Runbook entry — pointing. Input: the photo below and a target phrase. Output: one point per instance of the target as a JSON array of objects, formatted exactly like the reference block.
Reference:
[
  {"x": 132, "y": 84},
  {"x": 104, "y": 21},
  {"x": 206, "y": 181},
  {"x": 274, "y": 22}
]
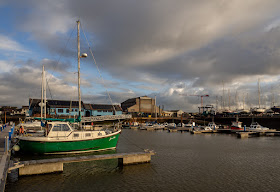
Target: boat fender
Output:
[{"x": 16, "y": 148}]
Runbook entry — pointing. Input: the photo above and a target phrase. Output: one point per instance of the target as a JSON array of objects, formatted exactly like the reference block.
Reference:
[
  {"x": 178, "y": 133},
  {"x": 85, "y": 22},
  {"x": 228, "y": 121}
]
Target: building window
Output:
[{"x": 60, "y": 110}]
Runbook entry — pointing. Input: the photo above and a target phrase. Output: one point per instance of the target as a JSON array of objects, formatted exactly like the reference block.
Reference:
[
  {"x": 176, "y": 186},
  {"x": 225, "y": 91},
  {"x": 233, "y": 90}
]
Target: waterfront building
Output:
[
  {"x": 141, "y": 106},
  {"x": 173, "y": 113},
  {"x": 71, "y": 108},
  {"x": 101, "y": 110},
  {"x": 55, "y": 107}
]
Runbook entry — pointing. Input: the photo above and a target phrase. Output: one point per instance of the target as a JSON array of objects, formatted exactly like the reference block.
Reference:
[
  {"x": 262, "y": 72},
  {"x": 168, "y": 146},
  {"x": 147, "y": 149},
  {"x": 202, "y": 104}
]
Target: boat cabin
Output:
[
  {"x": 58, "y": 129},
  {"x": 237, "y": 124}
]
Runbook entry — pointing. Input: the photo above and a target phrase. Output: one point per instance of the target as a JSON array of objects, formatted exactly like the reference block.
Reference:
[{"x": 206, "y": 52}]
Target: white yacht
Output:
[{"x": 257, "y": 127}]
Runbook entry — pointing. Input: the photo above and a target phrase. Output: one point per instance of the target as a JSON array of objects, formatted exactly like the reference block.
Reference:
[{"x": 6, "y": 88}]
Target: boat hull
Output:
[
  {"x": 45, "y": 147},
  {"x": 236, "y": 128}
]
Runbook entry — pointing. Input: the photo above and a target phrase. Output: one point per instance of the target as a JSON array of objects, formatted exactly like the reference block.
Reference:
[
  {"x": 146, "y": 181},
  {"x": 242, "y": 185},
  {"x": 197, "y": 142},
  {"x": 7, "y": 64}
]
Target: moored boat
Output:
[
  {"x": 255, "y": 126},
  {"x": 60, "y": 137},
  {"x": 236, "y": 125}
]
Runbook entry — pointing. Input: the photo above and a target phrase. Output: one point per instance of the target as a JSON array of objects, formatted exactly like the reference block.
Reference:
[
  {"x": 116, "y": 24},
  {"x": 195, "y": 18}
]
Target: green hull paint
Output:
[{"x": 69, "y": 146}]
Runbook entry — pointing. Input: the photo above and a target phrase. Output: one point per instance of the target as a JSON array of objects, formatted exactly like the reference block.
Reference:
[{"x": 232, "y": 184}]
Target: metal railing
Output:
[{"x": 105, "y": 118}]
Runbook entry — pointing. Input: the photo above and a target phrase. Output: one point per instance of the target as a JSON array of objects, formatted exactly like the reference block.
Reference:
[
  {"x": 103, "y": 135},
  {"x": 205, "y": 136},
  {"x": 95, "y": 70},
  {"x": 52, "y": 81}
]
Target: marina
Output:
[{"x": 139, "y": 96}]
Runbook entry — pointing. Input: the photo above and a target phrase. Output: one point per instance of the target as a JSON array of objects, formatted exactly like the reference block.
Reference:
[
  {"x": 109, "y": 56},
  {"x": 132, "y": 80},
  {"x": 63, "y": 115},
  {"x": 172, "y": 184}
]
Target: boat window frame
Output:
[{"x": 53, "y": 126}]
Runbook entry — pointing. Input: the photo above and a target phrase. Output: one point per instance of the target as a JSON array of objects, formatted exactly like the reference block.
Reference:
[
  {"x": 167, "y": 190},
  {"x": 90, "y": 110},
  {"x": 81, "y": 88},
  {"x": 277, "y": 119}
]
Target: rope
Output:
[{"x": 103, "y": 82}]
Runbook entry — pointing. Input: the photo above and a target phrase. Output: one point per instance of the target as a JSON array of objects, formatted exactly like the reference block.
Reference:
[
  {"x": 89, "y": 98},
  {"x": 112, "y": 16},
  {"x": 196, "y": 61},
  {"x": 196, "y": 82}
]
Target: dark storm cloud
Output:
[
  {"x": 163, "y": 38},
  {"x": 165, "y": 43}
]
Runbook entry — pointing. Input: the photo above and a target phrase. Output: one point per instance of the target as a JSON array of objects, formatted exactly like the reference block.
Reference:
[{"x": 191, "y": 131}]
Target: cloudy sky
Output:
[{"x": 161, "y": 47}]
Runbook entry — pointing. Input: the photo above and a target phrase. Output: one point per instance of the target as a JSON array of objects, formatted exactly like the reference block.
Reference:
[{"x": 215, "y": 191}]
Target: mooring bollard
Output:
[{"x": 244, "y": 127}]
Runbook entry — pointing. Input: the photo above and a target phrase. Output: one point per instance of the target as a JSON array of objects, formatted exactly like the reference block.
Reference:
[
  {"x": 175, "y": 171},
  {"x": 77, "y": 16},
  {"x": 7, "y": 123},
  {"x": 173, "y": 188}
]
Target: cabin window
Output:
[
  {"x": 88, "y": 134},
  {"x": 76, "y": 135},
  {"x": 56, "y": 128},
  {"x": 61, "y": 127},
  {"x": 65, "y": 127},
  {"x": 52, "y": 110},
  {"x": 76, "y": 110},
  {"x": 60, "y": 110},
  {"x": 99, "y": 134},
  {"x": 67, "y": 110}
]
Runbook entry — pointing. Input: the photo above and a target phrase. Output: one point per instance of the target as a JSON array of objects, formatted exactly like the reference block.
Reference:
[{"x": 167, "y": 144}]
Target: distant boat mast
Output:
[{"x": 259, "y": 93}]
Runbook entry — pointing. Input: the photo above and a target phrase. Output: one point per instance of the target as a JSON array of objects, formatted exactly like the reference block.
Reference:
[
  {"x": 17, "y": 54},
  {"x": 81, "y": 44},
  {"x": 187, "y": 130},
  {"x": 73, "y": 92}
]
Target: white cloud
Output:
[
  {"x": 8, "y": 44},
  {"x": 5, "y": 66}
]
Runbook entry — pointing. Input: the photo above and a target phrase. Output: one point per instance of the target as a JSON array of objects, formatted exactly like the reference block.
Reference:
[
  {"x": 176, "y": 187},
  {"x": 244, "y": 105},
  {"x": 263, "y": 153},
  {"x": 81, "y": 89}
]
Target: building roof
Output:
[
  {"x": 55, "y": 103},
  {"x": 105, "y": 107},
  {"x": 175, "y": 111},
  {"x": 74, "y": 104},
  {"x": 87, "y": 106}
]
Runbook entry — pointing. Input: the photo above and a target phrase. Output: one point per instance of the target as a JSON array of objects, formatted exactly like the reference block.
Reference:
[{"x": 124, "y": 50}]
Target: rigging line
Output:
[
  {"x": 63, "y": 50},
  {"x": 99, "y": 71}
]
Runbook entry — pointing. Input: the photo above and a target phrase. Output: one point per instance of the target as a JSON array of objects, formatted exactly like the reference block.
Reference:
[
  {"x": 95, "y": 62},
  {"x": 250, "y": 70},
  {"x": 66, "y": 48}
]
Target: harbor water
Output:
[{"x": 183, "y": 162}]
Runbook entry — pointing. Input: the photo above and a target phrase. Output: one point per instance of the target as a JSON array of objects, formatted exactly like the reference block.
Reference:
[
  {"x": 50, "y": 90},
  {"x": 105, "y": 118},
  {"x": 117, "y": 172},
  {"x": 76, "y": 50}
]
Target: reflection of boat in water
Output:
[
  {"x": 257, "y": 127},
  {"x": 60, "y": 137}
]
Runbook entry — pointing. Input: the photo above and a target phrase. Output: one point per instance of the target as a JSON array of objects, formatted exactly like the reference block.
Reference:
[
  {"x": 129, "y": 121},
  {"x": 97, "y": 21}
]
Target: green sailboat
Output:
[{"x": 60, "y": 137}]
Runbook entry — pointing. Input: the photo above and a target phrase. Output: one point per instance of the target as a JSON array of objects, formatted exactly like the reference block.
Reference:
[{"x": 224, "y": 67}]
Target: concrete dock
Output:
[
  {"x": 248, "y": 134},
  {"x": 4, "y": 155},
  {"x": 56, "y": 165}
]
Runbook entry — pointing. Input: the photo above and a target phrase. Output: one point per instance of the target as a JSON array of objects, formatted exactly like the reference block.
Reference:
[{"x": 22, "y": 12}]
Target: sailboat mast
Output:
[
  {"x": 223, "y": 101},
  {"x": 259, "y": 93},
  {"x": 156, "y": 107},
  {"x": 45, "y": 93},
  {"x": 79, "y": 56},
  {"x": 42, "y": 93},
  {"x": 229, "y": 99}
]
